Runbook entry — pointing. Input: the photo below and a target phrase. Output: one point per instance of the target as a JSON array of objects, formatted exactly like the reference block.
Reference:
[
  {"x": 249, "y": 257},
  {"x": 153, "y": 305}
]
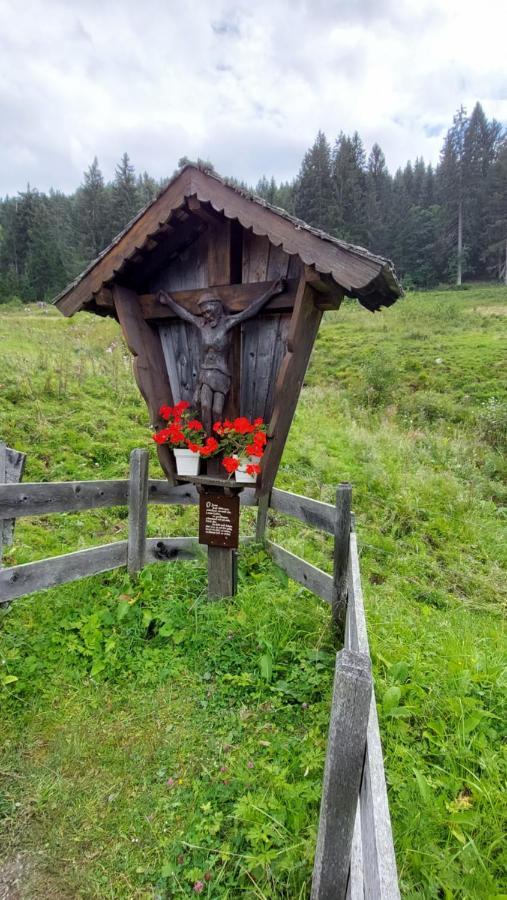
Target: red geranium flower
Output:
[
  {"x": 195, "y": 425},
  {"x": 181, "y": 407},
  {"x": 253, "y": 469},
  {"x": 230, "y": 464},
  {"x": 161, "y": 436},
  {"x": 254, "y": 450},
  {"x": 166, "y": 412},
  {"x": 243, "y": 425},
  {"x": 210, "y": 446}
]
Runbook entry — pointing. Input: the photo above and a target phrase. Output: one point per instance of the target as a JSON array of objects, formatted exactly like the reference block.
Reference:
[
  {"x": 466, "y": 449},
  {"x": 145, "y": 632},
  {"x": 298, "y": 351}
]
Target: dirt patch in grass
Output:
[
  {"x": 14, "y": 874},
  {"x": 491, "y": 310}
]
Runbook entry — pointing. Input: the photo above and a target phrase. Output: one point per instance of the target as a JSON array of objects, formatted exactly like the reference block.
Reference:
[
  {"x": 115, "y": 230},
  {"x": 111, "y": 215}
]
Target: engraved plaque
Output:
[{"x": 219, "y": 520}]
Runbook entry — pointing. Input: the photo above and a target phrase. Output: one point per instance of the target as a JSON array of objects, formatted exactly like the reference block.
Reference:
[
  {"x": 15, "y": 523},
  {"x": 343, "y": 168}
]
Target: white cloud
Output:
[{"x": 246, "y": 84}]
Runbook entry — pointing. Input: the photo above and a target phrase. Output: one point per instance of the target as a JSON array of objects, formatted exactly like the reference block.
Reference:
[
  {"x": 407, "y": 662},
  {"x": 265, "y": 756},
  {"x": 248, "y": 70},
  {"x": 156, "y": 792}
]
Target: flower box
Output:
[
  {"x": 187, "y": 461},
  {"x": 241, "y": 473}
]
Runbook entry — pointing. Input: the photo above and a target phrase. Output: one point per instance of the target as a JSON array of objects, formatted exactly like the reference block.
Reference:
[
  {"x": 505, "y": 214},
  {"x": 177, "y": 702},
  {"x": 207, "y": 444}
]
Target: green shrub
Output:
[
  {"x": 380, "y": 378},
  {"x": 492, "y": 422}
]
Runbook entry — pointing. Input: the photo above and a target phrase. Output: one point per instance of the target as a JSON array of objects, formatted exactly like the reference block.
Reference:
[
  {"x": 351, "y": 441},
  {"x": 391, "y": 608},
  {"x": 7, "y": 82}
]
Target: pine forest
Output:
[{"x": 439, "y": 225}]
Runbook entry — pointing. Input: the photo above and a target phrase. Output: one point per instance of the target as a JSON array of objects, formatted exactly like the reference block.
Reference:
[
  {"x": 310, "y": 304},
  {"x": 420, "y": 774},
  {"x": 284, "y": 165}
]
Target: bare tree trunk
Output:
[{"x": 460, "y": 240}]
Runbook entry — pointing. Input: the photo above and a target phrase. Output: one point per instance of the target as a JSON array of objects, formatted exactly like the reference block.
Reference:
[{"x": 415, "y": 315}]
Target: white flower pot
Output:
[
  {"x": 187, "y": 462},
  {"x": 242, "y": 475}
]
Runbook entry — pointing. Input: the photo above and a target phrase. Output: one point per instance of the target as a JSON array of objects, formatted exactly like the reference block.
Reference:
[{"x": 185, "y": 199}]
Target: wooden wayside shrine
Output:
[{"x": 213, "y": 286}]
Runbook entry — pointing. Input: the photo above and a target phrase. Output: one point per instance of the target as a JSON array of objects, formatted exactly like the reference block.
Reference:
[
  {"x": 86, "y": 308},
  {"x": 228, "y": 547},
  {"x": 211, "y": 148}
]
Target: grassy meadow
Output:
[{"x": 154, "y": 745}]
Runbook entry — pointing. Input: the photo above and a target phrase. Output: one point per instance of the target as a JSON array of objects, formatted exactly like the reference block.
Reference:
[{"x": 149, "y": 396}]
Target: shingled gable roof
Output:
[{"x": 369, "y": 278}]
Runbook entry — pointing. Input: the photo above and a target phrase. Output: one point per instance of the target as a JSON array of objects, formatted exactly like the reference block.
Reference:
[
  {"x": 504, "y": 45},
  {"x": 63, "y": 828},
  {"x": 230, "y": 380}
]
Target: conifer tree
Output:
[
  {"x": 147, "y": 188},
  {"x": 315, "y": 200},
  {"x": 452, "y": 188},
  {"x": 92, "y": 212},
  {"x": 125, "y": 194},
  {"x": 480, "y": 149},
  {"x": 496, "y": 231},
  {"x": 378, "y": 195},
  {"x": 349, "y": 175}
]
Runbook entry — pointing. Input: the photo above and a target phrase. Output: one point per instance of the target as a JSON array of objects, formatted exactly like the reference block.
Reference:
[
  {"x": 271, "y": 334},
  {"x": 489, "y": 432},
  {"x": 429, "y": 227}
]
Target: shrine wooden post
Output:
[{"x": 271, "y": 277}]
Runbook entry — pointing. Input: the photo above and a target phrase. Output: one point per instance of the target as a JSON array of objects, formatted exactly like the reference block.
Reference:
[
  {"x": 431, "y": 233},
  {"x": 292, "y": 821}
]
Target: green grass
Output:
[{"x": 123, "y": 685}]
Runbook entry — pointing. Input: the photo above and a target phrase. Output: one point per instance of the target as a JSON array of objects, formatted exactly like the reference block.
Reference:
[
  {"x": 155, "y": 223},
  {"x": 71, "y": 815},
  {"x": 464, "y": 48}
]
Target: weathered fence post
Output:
[
  {"x": 3, "y": 479},
  {"x": 138, "y": 510},
  {"x": 342, "y": 774},
  {"x": 262, "y": 518},
  {"x": 341, "y": 557}
]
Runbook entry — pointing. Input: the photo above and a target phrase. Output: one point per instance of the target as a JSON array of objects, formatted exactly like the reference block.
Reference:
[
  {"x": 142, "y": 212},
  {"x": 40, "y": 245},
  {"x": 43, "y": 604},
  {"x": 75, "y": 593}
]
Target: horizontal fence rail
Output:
[
  {"x": 45, "y": 498},
  {"x": 16, "y": 581},
  {"x": 311, "y": 512},
  {"x": 303, "y": 572},
  {"x": 373, "y": 863}
]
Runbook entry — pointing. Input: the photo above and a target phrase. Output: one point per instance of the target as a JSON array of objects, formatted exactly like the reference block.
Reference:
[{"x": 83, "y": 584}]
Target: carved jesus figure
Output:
[{"x": 215, "y": 327}]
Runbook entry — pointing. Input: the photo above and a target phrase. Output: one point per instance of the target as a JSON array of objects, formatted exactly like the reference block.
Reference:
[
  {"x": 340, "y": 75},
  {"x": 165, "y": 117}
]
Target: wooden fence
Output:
[{"x": 355, "y": 852}]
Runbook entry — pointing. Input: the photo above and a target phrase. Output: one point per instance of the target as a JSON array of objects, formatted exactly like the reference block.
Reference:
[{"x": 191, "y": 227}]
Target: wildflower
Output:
[
  {"x": 181, "y": 860},
  {"x": 208, "y": 876},
  {"x": 199, "y": 887},
  {"x": 250, "y": 764},
  {"x": 170, "y": 782}
]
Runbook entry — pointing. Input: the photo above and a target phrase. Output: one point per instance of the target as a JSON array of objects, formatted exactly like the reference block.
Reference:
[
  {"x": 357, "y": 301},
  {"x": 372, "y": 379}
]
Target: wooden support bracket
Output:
[
  {"x": 304, "y": 325},
  {"x": 150, "y": 369}
]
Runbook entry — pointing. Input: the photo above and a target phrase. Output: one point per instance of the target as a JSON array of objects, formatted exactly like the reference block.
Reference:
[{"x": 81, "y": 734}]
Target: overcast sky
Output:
[{"x": 246, "y": 84}]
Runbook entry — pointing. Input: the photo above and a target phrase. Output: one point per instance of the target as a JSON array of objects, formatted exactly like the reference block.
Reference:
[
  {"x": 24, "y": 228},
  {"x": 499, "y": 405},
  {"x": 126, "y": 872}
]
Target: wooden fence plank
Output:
[
  {"x": 355, "y": 887},
  {"x": 160, "y": 491},
  {"x": 311, "y": 512},
  {"x": 43, "y": 498},
  {"x": 341, "y": 557},
  {"x": 17, "y": 581},
  {"x": 303, "y": 572},
  {"x": 14, "y": 467},
  {"x": 36, "y": 576},
  {"x": 342, "y": 774},
  {"x": 138, "y": 510},
  {"x": 379, "y": 861},
  {"x": 3, "y": 479}
]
